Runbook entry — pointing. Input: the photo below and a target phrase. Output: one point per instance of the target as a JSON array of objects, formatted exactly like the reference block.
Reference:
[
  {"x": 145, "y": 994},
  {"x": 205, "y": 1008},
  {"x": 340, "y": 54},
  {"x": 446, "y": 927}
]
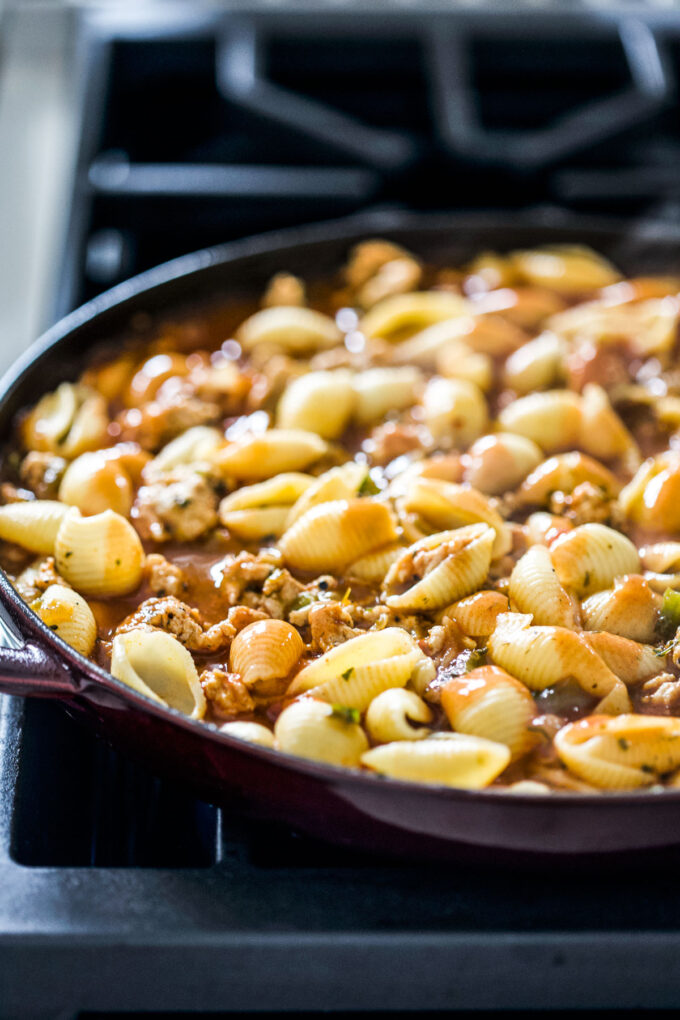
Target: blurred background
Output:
[{"x": 132, "y": 132}]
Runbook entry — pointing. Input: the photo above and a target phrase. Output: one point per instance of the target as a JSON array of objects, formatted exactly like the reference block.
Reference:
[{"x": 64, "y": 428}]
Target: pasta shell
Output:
[
  {"x": 100, "y": 555},
  {"x": 265, "y": 650},
  {"x": 32, "y": 525},
  {"x": 69, "y": 421},
  {"x": 630, "y": 609},
  {"x": 476, "y": 615},
  {"x": 603, "y": 434},
  {"x": 67, "y": 613},
  {"x": 449, "y": 565},
  {"x": 355, "y": 672},
  {"x": 195, "y": 444},
  {"x": 622, "y": 753},
  {"x": 445, "y": 505},
  {"x": 568, "y": 270},
  {"x": 592, "y": 556},
  {"x": 372, "y": 567},
  {"x": 494, "y": 464},
  {"x": 563, "y": 473},
  {"x": 536, "y": 365},
  {"x": 661, "y": 557},
  {"x": 94, "y": 482},
  {"x": 330, "y": 536},
  {"x": 259, "y": 524},
  {"x": 649, "y": 327},
  {"x": 631, "y": 661},
  {"x": 551, "y": 419},
  {"x": 341, "y": 482},
  {"x": 457, "y": 760},
  {"x": 400, "y": 313},
  {"x": 257, "y": 511},
  {"x": 542, "y": 528},
  {"x": 392, "y": 714},
  {"x": 490, "y": 703},
  {"x": 313, "y": 729},
  {"x": 652, "y": 497},
  {"x": 377, "y": 391},
  {"x": 454, "y": 410},
  {"x": 155, "y": 664},
  {"x": 535, "y": 588},
  {"x": 426, "y": 347},
  {"x": 295, "y": 330},
  {"x": 254, "y": 458},
  {"x": 458, "y": 361},
  {"x": 320, "y": 402},
  {"x": 252, "y": 732}
]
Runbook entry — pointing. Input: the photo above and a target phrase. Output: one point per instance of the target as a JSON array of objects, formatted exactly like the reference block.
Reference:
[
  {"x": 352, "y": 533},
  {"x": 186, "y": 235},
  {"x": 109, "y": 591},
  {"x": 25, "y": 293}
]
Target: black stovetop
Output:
[{"x": 119, "y": 891}]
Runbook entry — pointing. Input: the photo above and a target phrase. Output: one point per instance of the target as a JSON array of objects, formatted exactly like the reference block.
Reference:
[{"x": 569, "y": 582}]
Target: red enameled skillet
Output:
[{"x": 341, "y": 805}]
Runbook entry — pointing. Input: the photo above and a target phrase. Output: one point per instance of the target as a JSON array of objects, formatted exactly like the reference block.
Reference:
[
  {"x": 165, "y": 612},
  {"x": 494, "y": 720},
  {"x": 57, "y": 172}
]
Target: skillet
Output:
[{"x": 342, "y": 805}]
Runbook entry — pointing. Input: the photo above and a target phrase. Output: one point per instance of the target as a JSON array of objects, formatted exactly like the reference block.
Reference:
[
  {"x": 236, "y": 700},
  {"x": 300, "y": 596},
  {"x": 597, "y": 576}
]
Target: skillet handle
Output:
[{"x": 28, "y": 668}]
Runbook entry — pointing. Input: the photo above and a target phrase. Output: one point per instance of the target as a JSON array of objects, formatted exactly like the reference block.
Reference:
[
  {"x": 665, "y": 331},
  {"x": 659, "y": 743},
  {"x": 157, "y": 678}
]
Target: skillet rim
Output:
[{"x": 352, "y": 229}]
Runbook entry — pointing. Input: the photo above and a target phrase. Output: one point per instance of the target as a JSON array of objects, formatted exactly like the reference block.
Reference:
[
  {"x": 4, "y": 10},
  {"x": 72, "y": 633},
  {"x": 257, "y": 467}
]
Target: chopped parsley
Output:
[
  {"x": 623, "y": 743},
  {"x": 670, "y": 612},
  {"x": 586, "y": 579},
  {"x": 302, "y": 601},
  {"x": 347, "y": 674},
  {"x": 345, "y": 714},
  {"x": 368, "y": 487}
]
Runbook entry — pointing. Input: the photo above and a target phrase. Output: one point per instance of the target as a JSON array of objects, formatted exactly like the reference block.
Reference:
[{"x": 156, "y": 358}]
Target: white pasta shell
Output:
[
  {"x": 592, "y": 556},
  {"x": 341, "y": 482},
  {"x": 467, "y": 557},
  {"x": 100, "y": 555},
  {"x": 400, "y": 313},
  {"x": 32, "y": 525},
  {"x": 458, "y": 760},
  {"x": 198, "y": 443},
  {"x": 535, "y": 365},
  {"x": 392, "y": 714},
  {"x": 294, "y": 329},
  {"x": 67, "y": 613},
  {"x": 446, "y": 505},
  {"x": 496, "y": 463},
  {"x": 252, "y": 732},
  {"x": 330, "y": 536},
  {"x": 490, "y": 703},
  {"x": 661, "y": 557},
  {"x": 458, "y": 361},
  {"x": 652, "y": 497},
  {"x": 265, "y": 650},
  {"x": 455, "y": 410},
  {"x": 535, "y": 588},
  {"x": 551, "y": 419},
  {"x": 425, "y": 348},
  {"x": 630, "y": 609},
  {"x": 257, "y": 524},
  {"x": 68, "y": 421},
  {"x": 543, "y": 656},
  {"x": 94, "y": 482},
  {"x": 622, "y": 753},
  {"x": 373, "y": 567},
  {"x": 563, "y": 473},
  {"x": 155, "y": 664},
  {"x": 378, "y": 391},
  {"x": 476, "y": 614},
  {"x": 355, "y": 672},
  {"x": 650, "y": 327},
  {"x": 542, "y": 528},
  {"x": 254, "y": 458},
  {"x": 320, "y": 402},
  {"x": 314, "y": 729},
  {"x": 603, "y": 434},
  {"x": 630, "y": 660},
  {"x": 257, "y": 511},
  {"x": 566, "y": 269}
]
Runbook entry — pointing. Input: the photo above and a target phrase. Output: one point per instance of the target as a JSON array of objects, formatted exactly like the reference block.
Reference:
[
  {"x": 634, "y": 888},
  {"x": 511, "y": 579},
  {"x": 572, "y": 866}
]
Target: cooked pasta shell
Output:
[
  {"x": 330, "y": 536},
  {"x": 256, "y": 525},
  {"x": 252, "y": 732},
  {"x": 631, "y": 661},
  {"x": 393, "y": 317},
  {"x": 198, "y": 443},
  {"x": 535, "y": 588},
  {"x": 592, "y": 556},
  {"x": 476, "y": 614},
  {"x": 649, "y": 327},
  {"x": 155, "y": 664},
  {"x": 265, "y": 650},
  {"x": 100, "y": 555},
  {"x": 497, "y": 463},
  {"x": 314, "y": 729},
  {"x": 543, "y": 656},
  {"x": 454, "y": 410},
  {"x": 391, "y": 716},
  {"x": 32, "y": 525},
  {"x": 425, "y": 348},
  {"x": 454, "y": 759},
  {"x": 372, "y": 567},
  {"x": 652, "y": 497},
  {"x": 566, "y": 269},
  {"x": 320, "y": 402},
  {"x": 563, "y": 473},
  {"x": 355, "y": 672},
  {"x": 661, "y": 557},
  {"x": 295, "y": 330},
  {"x": 490, "y": 703},
  {"x": 542, "y": 528},
  {"x": 254, "y": 512},
  {"x": 536, "y": 365},
  {"x": 341, "y": 482},
  {"x": 622, "y": 753},
  {"x": 255, "y": 458},
  {"x": 447, "y": 566},
  {"x": 446, "y": 505},
  {"x": 378, "y": 391},
  {"x": 603, "y": 434},
  {"x": 68, "y": 421},
  {"x": 630, "y": 609},
  {"x": 67, "y": 613},
  {"x": 458, "y": 361},
  {"x": 551, "y": 419},
  {"x": 94, "y": 482}
]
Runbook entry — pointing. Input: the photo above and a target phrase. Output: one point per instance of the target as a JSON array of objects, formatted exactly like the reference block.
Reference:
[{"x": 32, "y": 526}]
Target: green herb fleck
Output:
[
  {"x": 623, "y": 743},
  {"x": 664, "y": 650},
  {"x": 302, "y": 601},
  {"x": 68, "y": 553},
  {"x": 647, "y": 768},
  {"x": 347, "y": 674},
  {"x": 54, "y": 626},
  {"x": 670, "y": 612},
  {"x": 586, "y": 579},
  {"x": 368, "y": 487},
  {"x": 118, "y": 562},
  {"x": 345, "y": 714}
]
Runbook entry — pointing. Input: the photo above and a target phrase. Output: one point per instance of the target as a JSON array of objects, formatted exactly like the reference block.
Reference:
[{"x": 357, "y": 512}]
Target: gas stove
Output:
[{"x": 118, "y": 890}]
